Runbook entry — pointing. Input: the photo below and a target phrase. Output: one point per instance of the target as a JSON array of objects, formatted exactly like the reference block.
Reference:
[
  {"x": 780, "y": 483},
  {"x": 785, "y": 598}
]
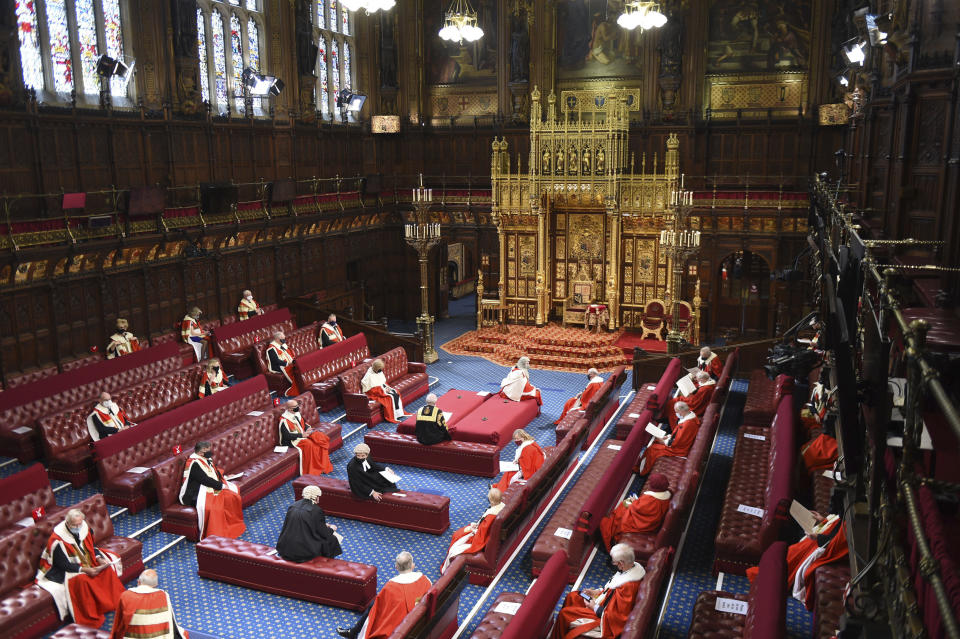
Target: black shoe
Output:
[{"x": 345, "y": 632}]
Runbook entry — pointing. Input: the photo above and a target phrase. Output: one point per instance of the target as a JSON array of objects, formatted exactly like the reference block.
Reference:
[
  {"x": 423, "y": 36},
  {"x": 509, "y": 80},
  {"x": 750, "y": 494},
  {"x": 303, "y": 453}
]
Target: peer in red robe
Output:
[
  {"x": 594, "y": 382},
  {"x": 123, "y": 342},
  {"x": 607, "y": 607},
  {"x": 697, "y": 401},
  {"x": 826, "y": 544},
  {"x": 330, "y": 332},
  {"x": 710, "y": 362},
  {"x": 218, "y": 503},
  {"x": 641, "y": 514},
  {"x": 397, "y": 597},
  {"x": 192, "y": 334},
  {"x": 677, "y": 444},
  {"x": 107, "y": 418},
  {"x": 280, "y": 360},
  {"x": 248, "y": 307},
  {"x": 212, "y": 380},
  {"x": 516, "y": 385},
  {"x": 374, "y": 385},
  {"x": 473, "y": 537},
  {"x": 528, "y": 458},
  {"x": 83, "y": 579},
  {"x": 313, "y": 448},
  {"x": 146, "y": 611},
  {"x": 820, "y": 453}
]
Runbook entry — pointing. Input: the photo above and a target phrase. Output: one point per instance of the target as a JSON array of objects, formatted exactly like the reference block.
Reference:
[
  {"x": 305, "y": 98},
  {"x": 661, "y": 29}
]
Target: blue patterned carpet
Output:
[{"x": 210, "y": 608}]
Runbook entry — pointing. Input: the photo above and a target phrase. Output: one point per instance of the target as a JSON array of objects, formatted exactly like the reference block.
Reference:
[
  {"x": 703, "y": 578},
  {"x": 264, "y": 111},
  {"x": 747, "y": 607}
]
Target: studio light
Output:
[
  {"x": 347, "y": 99},
  {"x": 460, "y": 23},
  {"x": 259, "y": 85},
  {"x": 842, "y": 79},
  {"x": 107, "y": 67},
  {"x": 854, "y": 53}
]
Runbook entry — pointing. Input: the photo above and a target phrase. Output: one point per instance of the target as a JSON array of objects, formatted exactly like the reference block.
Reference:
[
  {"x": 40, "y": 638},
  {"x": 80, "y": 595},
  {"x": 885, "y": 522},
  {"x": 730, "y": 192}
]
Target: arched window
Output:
[
  {"x": 333, "y": 34},
  {"x": 229, "y": 36},
  {"x": 61, "y": 41}
]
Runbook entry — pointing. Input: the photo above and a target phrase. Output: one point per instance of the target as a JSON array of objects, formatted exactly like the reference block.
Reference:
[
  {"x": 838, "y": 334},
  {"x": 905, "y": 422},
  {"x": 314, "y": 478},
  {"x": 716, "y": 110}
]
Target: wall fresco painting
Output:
[{"x": 752, "y": 35}]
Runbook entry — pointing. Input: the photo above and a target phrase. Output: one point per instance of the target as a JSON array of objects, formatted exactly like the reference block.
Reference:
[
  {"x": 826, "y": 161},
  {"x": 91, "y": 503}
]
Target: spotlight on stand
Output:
[
  {"x": 347, "y": 100},
  {"x": 107, "y": 67},
  {"x": 259, "y": 85},
  {"x": 854, "y": 53},
  {"x": 877, "y": 37}
]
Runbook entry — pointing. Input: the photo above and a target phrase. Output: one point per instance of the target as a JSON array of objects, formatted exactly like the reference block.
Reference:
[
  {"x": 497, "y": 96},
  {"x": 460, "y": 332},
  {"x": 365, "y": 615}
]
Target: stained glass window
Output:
[
  {"x": 113, "y": 37},
  {"x": 324, "y": 97},
  {"x": 236, "y": 59},
  {"x": 346, "y": 65},
  {"x": 345, "y": 20},
  {"x": 321, "y": 8},
  {"x": 30, "y": 58},
  {"x": 202, "y": 51},
  {"x": 87, "y": 37},
  {"x": 335, "y": 69},
  {"x": 333, "y": 35},
  {"x": 333, "y": 15},
  {"x": 252, "y": 5},
  {"x": 219, "y": 59},
  {"x": 59, "y": 35}
]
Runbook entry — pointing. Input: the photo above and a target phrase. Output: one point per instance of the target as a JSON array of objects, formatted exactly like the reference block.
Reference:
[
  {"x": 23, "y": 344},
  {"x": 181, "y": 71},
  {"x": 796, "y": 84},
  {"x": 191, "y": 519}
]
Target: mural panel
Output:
[
  {"x": 750, "y": 35},
  {"x": 590, "y": 44},
  {"x": 472, "y": 63}
]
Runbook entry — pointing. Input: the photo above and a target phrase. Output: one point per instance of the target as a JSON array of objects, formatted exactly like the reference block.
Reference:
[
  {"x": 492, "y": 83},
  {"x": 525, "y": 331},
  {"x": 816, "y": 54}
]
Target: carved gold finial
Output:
[{"x": 535, "y": 96}]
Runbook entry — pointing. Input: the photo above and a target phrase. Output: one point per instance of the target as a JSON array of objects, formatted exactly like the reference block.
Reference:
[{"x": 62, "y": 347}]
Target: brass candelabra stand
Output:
[
  {"x": 423, "y": 235},
  {"x": 679, "y": 243}
]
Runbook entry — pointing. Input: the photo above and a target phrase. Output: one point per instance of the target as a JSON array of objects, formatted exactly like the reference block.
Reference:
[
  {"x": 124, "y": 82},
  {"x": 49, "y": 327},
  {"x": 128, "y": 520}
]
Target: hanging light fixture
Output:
[
  {"x": 460, "y": 23},
  {"x": 643, "y": 14},
  {"x": 370, "y": 6}
]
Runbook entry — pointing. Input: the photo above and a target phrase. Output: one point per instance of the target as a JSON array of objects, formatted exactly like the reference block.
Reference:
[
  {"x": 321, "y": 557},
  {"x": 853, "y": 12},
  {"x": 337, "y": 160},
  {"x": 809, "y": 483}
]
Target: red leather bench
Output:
[
  {"x": 726, "y": 377},
  {"x": 152, "y": 441},
  {"x": 407, "y": 509},
  {"x": 66, "y": 439},
  {"x": 233, "y": 344},
  {"x": 598, "y": 410},
  {"x": 331, "y": 582},
  {"x": 435, "y": 616},
  {"x": 829, "y": 583},
  {"x": 300, "y": 342},
  {"x": 647, "y": 397},
  {"x": 466, "y": 458},
  {"x": 459, "y": 403},
  {"x": 26, "y": 610},
  {"x": 76, "y": 631},
  {"x": 318, "y": 371},
  {"x": 19, "y": 411},
  {"x": 175, "y": 336},
  {"x": 19, "y": 379},
  {"x": 647, "y": 604},
  {"x": 21, "y": 493},
  {"x": 248, "y": 448},
  {"x": 408, "y": 378},
  {"x": 98, "y": 518},
  {"x": 763, "y": 397},
  {"x": 493, "y": 623},
  {"x": 766, "y": 604},
  {"x": 761, "y": 477}
]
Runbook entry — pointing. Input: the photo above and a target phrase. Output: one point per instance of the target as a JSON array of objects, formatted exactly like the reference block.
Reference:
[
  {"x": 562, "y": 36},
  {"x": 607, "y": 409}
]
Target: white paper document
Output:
[
  {"x": 737, "y": 607},
  {"x": 651, "y": 387},
  {"x": 634, "y": 415},
  {"x": 399, "y": 494},
  {"x": 390, "y": 476},
  {"x": 23, "y": 430},
  {"x": 507, "y": 608},
  {"x": 483, "y": 393},
  {"x": 686, "y": 386},
  {"x": 656, "y": 431},
  {"x": 280, "y": 449},
  {"x": 834, "y": 475},
  {"x": 750, "y": 510},
  {"x": 508, "y": 467},
  {"x": 25, "y": 522},
  {"x": 693, "y": 371},
  {"x": 802, "y": 516},
  {"x": 255, "y": 413},
  {"x": 752, "y": 436},
  {"x": 614, "y": 446},
  {"x": 232, "y": 477},
  {"x": 272, "y": 551},
  {"x": 565, "y": 533},
  {"x": 447, "y": 415},
  {"x": 138, "y": 470}
]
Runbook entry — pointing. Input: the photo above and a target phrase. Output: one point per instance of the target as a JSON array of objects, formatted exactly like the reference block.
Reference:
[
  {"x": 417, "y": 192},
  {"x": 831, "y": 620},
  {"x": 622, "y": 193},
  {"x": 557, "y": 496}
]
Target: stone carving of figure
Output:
[
  {"x": 586, "y": 162},
  {"x": 560, "y": 155},
  {"x": 388, "y": 52},
  {"x": 600, "y": 158},
  {"x": 546, "y": 162},
  {"x": 306, "y": 50},
  {"x": 573, "y": 163},
  {"x": 519, "y": 48},
  {"x": 185, "y": 39}
]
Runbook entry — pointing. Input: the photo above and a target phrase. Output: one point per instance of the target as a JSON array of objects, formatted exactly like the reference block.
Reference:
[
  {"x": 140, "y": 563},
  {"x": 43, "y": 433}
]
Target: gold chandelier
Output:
[
  {"x": 640, "y": 13},
  {"x": 460, "y": 23}
]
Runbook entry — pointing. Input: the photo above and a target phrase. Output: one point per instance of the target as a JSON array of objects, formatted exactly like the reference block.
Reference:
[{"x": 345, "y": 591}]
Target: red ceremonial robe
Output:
[
  {"x": 466, "y": 540},
  {"x": 193, "y": 335},
  {"x": 643, "y": 515},
  {"x": 393, "y": 602},
  {"x": 216, "y": 383},
  {"x": 313, "y": 449},
  {"x": 805, "y": 556},
  {"x": 373, "y": 386},
  {"x": 282, "y": 353},
  {"x": 529, "y": 457},
  {"x": 146, "y": 612},
  {"x": 122, "y": 343},
  {"x": 86, "y": 598},
  {"x": 712, "y": 365},
  {"x": 697, "y": 402},
  {"x": 683, "y": 438},
  {"x": 219, "y": 512},
  {"x": 516, "y": 386},
  {"x": 332, "y": 333},
  {"x": 820, "y": 453},
  {"x": 247, "y": 309},
  {"x": 581, "y": 400},
  {"x": 619, "y": 595}
]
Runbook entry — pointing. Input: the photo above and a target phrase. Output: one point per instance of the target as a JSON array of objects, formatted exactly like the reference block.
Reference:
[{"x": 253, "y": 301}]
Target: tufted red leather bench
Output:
[
  {"x": 409, "y": 378},
  {"x": 646, "y": 605},
  {"x": 726, "y": 377},
  {"x": 763, "y": 397},
  {"x": 187, "y": 354},
  {"x": 467, "y": 458},
  {"x": 459, "y": 403},
  {"x": 766, "y": 604},
  {"x": 435, "y": 616},
  {"x": 300, "y": 342},
  {"x": 407, "y": 509},
  {"x": 19, "y": 379},
  {"x": 76, "y": 631},
  {"x": 20, "y": 493},
  {"x": 66, "y": 439},
  {"x": 153, "y": 440},
  {"x": 20, "y": 410},
  {"x": 599, "y": 409},
  {"x": 232, "y": 319},
  {"x": 829, "y": 581},
  {"x": 331, "y": 582},
  {"x": 761, "y": 477},
  {"x": 655, "y": 397},
  {"x": 493, "y": 623},
  {"x": 631, "y": 414},
  {"x": 494, "y": 421},
  {"x": 233, "y": 343},
  {"x": 318, "y": 371},
  {"x": 822, "y": 491}
]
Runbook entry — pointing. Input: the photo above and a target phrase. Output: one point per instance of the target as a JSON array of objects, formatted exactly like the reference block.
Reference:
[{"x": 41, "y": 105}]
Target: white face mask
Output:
[{"x": 249, "y": 297}]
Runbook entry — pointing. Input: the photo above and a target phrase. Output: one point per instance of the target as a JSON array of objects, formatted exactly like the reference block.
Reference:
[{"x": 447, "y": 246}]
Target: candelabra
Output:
[
  {"x": 679, "y": 243},
  {"x": 423, "y": 235}
]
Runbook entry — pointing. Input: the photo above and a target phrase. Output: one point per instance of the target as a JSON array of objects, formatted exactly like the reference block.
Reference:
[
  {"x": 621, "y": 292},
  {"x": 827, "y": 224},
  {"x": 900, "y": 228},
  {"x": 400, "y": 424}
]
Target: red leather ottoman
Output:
[
  {"x": 493, "y": 623},
  {"x": 457, "y": 402},
  {"x": 332, "y": 582},
  {"x": 76, "y": 631},
  {"x": 829, "y": 583},
  {"x": 495, "y": 420},
  {"x": 465, "y": 458},
  {"x": 406, "y": 509}
]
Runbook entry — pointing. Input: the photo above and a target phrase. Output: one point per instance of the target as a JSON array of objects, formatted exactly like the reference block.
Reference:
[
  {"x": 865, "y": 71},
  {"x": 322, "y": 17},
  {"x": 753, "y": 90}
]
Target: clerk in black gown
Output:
[
  {"x": 306, "y": 533},
  {"x": 431, "y": 427},
  {"x": 364, "y": 475}
]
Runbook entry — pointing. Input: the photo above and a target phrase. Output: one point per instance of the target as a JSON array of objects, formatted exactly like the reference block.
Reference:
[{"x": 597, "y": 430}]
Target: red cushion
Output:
[
  {"x": 495, "y": 420},
  {"x": 459, "y": 403}
]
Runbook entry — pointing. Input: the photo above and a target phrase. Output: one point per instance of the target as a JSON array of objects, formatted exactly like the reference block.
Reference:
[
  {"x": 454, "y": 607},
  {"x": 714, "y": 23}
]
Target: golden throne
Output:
[
  {"x": 654, "y": 315},
  {"x": 582, "y": 293}
]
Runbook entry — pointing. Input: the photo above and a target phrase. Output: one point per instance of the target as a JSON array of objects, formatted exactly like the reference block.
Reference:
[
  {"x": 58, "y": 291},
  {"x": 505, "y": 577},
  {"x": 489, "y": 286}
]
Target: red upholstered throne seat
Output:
[
  {"x": 318, "y": 371},
  {"x": 233, "y": 344},
  {"x": 331, "y": 582},
  {"x": 406, "y": 509},
  {"x": 301, "y": 341},
  {"x": 467, "y": 458},
  {"x": 409, "y": 378}
]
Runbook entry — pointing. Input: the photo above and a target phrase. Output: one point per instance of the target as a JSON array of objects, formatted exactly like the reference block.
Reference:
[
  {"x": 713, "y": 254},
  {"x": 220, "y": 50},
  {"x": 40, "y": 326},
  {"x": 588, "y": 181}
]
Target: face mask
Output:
[
  {"x": 208, "y": 454},
  {"x": 75, "y": 531},
  {"x": 333, "y": 323},
  {"x": 283, "y": 341},
  {"x": 296, "y": 410},
  {"x": 249, "y": 297},
  {"x": 216, "y": 369},
  {"x": 679, "y": 416}
]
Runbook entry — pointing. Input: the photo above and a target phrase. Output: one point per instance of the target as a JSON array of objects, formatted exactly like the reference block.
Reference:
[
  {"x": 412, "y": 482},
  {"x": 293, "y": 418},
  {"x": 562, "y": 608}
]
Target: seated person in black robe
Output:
[
  {"x": 306, "y": 533},
  {"x": 431, "y": 426},
  {"x": 364, "y": 475}
]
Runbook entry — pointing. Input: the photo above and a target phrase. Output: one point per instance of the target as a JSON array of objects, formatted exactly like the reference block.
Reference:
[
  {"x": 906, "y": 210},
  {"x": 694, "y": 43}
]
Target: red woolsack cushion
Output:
[
  {"x": 495, "y": 421},
  {"x": 459, "y": 403}
]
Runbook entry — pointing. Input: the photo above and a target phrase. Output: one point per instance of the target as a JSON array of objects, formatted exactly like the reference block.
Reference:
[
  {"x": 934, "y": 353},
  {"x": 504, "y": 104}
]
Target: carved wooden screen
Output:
[
  {"x": 579, "y": 248},
  {"x": 521, "y": 276},
  {"x": 643, "y": 276}
]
